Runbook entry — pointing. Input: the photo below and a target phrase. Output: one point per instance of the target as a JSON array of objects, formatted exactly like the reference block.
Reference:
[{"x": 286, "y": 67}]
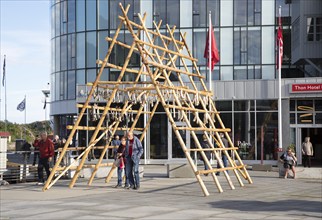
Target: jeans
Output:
[
  {"x": 43, "y": 163},
  {"x": 224, "y": 160},
  {"x": 120, "y": 177},
  {"x": 130, "y": 168},
  {"x": 306, "y": 160}
]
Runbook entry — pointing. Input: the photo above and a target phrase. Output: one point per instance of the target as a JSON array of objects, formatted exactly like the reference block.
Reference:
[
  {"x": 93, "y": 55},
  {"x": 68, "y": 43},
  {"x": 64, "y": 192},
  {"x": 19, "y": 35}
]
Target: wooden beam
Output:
[
  {"x": 92, "y": 128},
  {"x": 219, "y": 169},
  {"x": 203, "y": 129},
  {"x": 213, "y": 149},
  {"x": 190, "y": 109},
  {"x": 148, "y": 31},
  {"x": 162, "y": 66}
]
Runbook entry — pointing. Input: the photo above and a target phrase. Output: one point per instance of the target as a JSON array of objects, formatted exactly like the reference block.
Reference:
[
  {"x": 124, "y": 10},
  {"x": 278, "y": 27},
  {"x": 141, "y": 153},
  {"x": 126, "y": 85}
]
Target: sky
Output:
[{"x": 25, "y": 40}]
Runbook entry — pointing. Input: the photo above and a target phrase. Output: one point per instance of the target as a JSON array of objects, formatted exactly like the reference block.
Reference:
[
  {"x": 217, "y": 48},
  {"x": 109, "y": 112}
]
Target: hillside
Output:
[{"x": 20, "y": 131}]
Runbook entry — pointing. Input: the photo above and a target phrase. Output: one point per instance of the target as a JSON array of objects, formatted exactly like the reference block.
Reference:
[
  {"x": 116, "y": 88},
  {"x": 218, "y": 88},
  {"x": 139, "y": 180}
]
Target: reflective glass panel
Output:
[
  {"x": 80, "y": 50},
  {"x": 90, "y": 15},
  {"x": 102, "y": 14},
  {"x": 91, "y": 49},
  {"x": 80, "y": 15},
  {"x": 71, "y": 85},
  {"x": 71, "y": 16}
]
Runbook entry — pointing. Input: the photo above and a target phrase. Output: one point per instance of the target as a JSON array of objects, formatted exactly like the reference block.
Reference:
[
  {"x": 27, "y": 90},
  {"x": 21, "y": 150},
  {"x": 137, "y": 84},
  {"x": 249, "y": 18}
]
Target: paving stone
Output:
[{"x": 269, "y": 197}]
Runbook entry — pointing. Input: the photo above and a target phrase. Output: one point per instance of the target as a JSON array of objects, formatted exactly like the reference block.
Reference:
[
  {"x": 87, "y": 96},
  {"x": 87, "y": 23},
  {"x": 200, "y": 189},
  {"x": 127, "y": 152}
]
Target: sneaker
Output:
[
  {"x": 117, "y": 186},
  {"x": 136, "y": 187},
  {"x": 128, "y": 187},
  {"x": 217, "y": 174},
  {"x": 40, "y": 184}
]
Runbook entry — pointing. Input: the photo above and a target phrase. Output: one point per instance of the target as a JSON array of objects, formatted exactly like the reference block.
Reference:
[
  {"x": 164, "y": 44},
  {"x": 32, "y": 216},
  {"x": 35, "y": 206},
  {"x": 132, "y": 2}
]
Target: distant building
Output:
[{"x": 244, "y": 81}]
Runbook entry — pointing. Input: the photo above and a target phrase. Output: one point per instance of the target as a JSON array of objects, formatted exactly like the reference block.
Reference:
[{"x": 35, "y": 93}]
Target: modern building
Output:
[{"x": 245, "y": 81}]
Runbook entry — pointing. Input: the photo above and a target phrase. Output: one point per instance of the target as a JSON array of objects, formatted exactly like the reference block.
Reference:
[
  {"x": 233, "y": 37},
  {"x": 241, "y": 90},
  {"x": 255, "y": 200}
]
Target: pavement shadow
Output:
[
  {"x": 282, "y": 205},
  {"x": 169, "y": 187}
]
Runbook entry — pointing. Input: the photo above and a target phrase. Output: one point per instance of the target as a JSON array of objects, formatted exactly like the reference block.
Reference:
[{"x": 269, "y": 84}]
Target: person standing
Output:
[
  {"x": 289, "y": 160},
  {"x": 115, "y": 143},
  {"x": 119, "y": 154},
  {"x": 46, "y": 153},
  {"x": 133, "y": 153},
  {"x": 223, "y": 156},
  {"x": 307, "y": 151},
  {"x": 36, "y": 150},
  {"x": 205, "y": 145},
  {"x": 57, "y": 145}
]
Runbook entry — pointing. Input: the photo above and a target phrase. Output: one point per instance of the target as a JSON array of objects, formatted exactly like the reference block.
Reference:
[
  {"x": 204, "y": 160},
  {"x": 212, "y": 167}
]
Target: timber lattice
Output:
[{"x": 185, "y": 99}]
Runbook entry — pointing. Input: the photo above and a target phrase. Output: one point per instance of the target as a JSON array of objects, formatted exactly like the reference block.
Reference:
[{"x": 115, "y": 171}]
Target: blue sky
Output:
[{"x": 25, "y": 40}]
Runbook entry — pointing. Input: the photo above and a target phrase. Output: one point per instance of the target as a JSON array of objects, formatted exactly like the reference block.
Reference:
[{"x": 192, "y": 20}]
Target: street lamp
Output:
[{"x": 46, "y": 93}]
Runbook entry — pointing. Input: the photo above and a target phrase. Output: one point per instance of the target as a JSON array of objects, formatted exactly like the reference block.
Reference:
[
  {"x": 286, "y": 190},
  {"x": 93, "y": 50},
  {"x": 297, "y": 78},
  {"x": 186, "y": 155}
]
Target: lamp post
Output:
[{"x": 46, "y": 93}]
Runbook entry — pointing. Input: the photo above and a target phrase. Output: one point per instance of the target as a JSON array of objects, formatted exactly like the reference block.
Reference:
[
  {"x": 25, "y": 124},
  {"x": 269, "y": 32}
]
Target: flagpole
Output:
[
  {"x": 209, "y": 52},
  {"x": 279, "y": 89},
  {"x": 25, "y": 116},
  {"x": 209, "y": 66},
  {"x": 1, "y": 94},
  {"x": 5, "y": 97}
]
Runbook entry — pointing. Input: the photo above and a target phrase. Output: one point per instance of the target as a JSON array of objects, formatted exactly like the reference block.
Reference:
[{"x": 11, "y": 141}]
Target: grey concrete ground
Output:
[{"x": 163, "y": 198}]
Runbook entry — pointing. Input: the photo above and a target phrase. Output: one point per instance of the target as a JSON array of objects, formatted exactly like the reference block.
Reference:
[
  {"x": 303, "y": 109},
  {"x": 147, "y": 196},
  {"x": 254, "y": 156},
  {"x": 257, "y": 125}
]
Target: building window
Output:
[
  {"x": 71, "y": 13},
  {"x": 247, "y": 12},
  {"x": 247, "y": 46},
  {"x": 201, "y": 10},
  {"x": 168, "y": 11},
  {"x": 314, "y": 28}
]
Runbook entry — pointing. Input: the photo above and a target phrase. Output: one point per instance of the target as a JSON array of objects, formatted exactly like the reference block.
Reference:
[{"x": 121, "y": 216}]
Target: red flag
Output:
[
  {"x": 279, "y": 42},
  {"x": 214, "y": 50}
]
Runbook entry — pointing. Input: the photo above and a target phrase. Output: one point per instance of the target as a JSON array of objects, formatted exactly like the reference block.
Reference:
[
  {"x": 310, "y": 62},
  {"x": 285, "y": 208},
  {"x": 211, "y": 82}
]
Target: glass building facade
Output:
[{"x": 245, "y": 32}]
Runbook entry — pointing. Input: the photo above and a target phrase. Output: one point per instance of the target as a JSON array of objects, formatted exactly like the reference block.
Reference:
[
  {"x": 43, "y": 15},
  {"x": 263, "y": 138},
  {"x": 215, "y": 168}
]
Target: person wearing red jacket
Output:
[{"x": 46, "y": 153}]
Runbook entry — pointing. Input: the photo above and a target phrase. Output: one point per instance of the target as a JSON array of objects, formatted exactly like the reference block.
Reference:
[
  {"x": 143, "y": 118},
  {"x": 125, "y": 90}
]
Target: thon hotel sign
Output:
[{"x": 306, "y": 88}]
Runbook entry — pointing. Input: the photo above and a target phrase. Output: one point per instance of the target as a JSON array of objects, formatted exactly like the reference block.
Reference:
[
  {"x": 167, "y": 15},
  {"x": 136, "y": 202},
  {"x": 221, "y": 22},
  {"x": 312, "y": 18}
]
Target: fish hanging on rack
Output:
[
  {"x": 145, "y": 98},
  {"x": 118, "y": 97},
  {"x": 134, "y": 98},
  {"x": 182, "y": 96},
  {"x": 132, "y": 117},
  {"x": 96, "y": 112},
  {"x": 112, "y": 115},
  {"x": 195, "y": 119},
  {"x": 105, "y": 94},
  {"x": 182, "y": 114},
  {"x": 151, "y": 102},
  {"x": 108, "y": 118},
  {"x": 174, "y": 111},
  {"x": 167, "y": 96},
  {"x": 205, "y": 100},
  {"x": 196, "y": 99},
  {"x": 206, "y": 118},
  {"x": 186, "y": 96}
]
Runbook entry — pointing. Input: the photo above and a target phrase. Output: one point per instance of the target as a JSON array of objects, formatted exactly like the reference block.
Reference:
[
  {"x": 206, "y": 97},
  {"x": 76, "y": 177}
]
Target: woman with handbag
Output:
[{"x": 289, "y": 160}]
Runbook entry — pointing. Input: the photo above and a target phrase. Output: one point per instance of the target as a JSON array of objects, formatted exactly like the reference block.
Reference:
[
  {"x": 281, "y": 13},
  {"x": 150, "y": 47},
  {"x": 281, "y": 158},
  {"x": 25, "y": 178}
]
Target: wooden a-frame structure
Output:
[{"x": 187, "y": 100}]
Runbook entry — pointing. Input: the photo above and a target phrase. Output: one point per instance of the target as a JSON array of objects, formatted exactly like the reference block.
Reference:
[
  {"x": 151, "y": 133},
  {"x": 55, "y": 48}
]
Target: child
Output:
[{"x": 119, "y": 154}]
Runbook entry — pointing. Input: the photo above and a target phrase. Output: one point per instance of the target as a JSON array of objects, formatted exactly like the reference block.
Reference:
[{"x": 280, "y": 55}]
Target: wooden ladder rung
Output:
[
  {"x": 190, "y": 109},
  {"x": 91, "y": 128},
  {"x": 203, "y": 129},
  {"x": 212, "y": 149},
  {"x": 220, "y": 169}
]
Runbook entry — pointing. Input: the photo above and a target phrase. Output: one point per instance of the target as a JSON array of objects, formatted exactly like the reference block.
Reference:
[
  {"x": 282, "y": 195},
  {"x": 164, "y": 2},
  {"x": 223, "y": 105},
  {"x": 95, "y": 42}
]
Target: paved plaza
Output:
[{"x": 269, "y": 197}]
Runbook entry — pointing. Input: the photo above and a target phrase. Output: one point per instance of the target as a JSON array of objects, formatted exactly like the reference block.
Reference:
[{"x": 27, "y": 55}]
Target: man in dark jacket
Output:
[
  {"x": 205, "y": 145},
  {"x": 223, "y": 156},
  {"x": 46, "y": 153},
  {"x": 133, "y": 153}
]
